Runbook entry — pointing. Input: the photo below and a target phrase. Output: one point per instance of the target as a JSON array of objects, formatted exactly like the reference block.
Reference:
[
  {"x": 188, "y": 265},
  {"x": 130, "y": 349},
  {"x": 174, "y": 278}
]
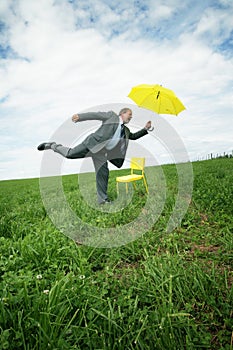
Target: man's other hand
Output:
[
  {"x": 148, "y": 125},
  {"x": 75, "y": 118}
]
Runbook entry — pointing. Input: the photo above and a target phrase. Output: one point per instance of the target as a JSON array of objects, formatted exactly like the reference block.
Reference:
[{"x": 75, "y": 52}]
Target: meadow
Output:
[{"x": 164, "y": 290}]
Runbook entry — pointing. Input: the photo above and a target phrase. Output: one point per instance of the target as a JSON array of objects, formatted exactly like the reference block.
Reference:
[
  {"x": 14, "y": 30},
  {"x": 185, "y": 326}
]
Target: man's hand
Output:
[
  {"x": 75, "y": 118},
  {"x": 148, "y": 125}
]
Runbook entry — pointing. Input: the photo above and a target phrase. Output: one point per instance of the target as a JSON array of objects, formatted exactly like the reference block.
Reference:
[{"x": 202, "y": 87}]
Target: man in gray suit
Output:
[{"x": 108, "y": 143}]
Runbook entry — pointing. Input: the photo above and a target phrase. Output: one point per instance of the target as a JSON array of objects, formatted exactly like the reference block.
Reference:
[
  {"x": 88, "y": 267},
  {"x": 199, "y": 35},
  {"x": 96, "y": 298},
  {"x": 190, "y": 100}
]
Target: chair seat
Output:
[{"x": 129, "y": 178}]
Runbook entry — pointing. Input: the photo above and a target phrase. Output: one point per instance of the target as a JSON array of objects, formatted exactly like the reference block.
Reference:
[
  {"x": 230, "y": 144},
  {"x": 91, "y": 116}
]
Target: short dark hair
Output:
[{"x": 124, "y": 110}]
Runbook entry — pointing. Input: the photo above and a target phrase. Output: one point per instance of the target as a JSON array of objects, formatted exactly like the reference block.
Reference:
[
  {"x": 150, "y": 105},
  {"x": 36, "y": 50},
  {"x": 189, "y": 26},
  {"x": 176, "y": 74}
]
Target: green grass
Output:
[{"x": 165, "y": 290}]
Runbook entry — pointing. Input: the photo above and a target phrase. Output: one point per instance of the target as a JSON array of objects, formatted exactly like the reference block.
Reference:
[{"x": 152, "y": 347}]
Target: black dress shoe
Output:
[
  {"x": 106, "y": 201},
  {"x": 45, "y": 146}
]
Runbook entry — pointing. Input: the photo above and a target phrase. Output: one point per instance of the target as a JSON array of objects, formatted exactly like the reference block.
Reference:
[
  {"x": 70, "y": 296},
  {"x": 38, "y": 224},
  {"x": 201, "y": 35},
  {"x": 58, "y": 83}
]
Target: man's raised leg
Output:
[{"x": 80, "y": 151}]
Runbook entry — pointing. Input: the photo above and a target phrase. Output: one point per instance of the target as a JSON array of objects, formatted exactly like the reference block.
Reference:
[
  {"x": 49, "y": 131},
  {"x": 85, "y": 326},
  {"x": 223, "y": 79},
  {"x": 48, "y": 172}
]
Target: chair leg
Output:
[{"x": 145, "y": 183}]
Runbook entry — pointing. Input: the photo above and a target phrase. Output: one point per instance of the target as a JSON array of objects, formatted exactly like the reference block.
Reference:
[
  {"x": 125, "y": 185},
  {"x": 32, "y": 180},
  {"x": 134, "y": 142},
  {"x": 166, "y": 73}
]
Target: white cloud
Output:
[
  {"x": 70, "y": 57},
  {"x": 215, "y": 25}
]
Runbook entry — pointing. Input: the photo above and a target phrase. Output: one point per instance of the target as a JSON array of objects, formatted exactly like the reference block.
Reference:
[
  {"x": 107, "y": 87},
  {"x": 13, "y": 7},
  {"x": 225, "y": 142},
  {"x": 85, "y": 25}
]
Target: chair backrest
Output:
[{"x": 137, "y": 163}]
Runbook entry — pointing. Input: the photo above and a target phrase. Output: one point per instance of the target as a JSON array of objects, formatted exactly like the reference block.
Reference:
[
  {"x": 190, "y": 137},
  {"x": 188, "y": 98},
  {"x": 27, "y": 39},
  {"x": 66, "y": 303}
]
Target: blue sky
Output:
[{"x": 61, "y": 57}]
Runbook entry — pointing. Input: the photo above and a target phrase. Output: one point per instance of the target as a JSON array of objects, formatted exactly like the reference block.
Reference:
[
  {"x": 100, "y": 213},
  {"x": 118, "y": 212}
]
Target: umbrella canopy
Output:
[{"x": 156, "y": 98}]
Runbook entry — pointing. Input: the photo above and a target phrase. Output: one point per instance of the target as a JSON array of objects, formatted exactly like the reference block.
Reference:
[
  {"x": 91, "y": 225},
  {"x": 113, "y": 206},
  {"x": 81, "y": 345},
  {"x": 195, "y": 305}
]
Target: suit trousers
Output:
[{"x": 100, "y": 164}]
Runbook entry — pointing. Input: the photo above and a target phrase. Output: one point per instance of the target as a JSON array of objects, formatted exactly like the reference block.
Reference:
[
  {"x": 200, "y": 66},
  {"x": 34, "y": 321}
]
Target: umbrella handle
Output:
[{"x": 151, "y": 129}]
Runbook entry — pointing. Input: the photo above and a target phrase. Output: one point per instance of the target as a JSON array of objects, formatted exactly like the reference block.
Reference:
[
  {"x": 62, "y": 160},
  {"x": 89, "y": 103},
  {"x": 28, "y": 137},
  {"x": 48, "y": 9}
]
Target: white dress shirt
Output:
[{"x": 116, "y": 137}]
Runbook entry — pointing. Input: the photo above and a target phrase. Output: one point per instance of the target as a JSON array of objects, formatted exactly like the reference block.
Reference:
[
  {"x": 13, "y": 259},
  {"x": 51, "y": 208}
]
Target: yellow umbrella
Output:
[{"x": 156, "y": 98}]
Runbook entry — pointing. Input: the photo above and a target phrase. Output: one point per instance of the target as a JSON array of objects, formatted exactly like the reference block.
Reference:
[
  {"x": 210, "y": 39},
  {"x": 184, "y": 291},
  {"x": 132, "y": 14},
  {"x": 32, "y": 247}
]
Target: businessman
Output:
[{"x": 108, "y": 143}]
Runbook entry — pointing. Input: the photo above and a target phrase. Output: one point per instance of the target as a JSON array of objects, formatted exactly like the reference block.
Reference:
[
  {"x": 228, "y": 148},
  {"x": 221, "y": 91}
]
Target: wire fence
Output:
[{"x": 214, "y": 156}]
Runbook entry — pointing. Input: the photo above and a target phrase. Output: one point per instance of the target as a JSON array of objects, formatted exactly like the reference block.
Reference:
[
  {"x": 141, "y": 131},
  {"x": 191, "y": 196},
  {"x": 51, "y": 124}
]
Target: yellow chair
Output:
[{"x": 137, "y": 164}]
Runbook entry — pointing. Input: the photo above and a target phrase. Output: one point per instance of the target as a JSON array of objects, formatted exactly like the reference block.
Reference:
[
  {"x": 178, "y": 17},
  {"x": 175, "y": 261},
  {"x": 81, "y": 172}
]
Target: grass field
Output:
[{"x": 165, "y": 290}]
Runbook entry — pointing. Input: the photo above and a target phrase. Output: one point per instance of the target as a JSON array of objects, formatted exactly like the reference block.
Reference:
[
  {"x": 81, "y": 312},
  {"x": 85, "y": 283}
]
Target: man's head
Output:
[{"x": 126, "y": 115}]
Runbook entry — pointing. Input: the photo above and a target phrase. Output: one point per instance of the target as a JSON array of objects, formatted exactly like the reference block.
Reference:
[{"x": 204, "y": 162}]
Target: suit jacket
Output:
[{"x": 96, "y": 141}]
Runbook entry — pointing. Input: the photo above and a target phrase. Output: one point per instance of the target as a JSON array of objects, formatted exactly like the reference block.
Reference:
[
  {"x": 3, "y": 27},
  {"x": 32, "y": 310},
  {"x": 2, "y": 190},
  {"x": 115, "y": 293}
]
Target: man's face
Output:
[{"x": 126, "y": 117}]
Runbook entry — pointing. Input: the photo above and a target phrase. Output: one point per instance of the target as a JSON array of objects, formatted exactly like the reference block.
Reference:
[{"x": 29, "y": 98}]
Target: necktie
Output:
[
  {"x": 122, "y": 140},
  {"x": 122, "y": 131}
]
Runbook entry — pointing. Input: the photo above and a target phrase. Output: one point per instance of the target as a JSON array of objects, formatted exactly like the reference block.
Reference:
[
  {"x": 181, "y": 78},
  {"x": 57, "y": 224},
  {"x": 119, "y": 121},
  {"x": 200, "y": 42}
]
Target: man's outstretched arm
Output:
[
  {"x": 79, "y": 117},
  {"x": 140, "y": 133}
]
